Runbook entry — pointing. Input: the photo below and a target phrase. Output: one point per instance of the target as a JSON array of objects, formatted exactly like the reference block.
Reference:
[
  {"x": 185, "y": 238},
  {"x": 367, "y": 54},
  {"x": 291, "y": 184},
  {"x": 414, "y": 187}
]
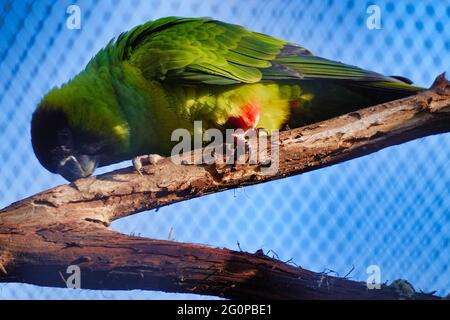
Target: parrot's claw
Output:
[{"x": 151, "y": 159}]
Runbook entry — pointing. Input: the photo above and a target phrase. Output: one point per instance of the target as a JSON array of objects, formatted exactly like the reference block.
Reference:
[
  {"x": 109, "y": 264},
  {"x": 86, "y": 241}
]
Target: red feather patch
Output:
[{"x": 249, "y": 117}]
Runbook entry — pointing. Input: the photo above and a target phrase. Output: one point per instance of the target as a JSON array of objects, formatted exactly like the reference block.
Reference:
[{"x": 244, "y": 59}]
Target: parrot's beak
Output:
[{"x": 73, "y": 168}]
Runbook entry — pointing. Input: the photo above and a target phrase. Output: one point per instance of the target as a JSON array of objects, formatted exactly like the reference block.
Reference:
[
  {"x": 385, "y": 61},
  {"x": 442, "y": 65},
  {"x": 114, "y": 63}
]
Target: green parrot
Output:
[{"x": 165, "y": 74}]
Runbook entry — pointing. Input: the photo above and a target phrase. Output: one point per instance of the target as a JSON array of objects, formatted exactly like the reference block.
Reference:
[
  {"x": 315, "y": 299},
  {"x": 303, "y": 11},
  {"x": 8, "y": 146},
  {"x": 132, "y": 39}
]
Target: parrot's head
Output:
[
  {"x": 72, "y": 134},
  {"x": 61, "y": 148}
]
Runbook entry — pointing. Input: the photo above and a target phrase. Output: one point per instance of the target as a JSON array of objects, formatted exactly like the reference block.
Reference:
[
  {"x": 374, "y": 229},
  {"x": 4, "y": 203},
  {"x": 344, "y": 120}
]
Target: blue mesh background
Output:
[{"x": 390, "y": 208}]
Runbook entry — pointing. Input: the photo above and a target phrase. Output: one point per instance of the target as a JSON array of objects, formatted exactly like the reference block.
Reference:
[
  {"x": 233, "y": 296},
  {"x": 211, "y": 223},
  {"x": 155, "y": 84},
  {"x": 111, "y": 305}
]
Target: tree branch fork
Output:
[{"x": 42, "y": 235}]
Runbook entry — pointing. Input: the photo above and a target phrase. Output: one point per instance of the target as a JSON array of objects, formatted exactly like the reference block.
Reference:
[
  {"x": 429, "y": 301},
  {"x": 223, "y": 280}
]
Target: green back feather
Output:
[{"x": 206, "y": 51}]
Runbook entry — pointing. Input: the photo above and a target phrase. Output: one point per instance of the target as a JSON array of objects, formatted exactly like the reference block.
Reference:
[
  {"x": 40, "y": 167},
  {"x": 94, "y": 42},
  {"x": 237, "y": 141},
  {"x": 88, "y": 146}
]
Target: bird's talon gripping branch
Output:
[{"x": 151, "y": 159}]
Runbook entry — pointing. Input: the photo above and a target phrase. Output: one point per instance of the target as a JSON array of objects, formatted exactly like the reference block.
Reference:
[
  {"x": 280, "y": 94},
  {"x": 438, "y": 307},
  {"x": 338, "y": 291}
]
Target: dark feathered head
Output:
[
  {"x": 61, "y": 149},
  {"x": 73, "y": 132}
]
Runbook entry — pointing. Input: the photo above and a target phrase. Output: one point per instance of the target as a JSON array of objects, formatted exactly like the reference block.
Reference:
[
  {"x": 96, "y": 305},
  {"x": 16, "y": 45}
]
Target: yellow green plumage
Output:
[{"x": 166, "y": 74}]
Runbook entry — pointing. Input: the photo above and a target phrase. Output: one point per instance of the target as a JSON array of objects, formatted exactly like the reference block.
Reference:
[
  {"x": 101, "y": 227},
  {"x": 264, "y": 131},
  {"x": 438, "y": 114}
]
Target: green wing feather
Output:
[{"x": 200, "y": 50}]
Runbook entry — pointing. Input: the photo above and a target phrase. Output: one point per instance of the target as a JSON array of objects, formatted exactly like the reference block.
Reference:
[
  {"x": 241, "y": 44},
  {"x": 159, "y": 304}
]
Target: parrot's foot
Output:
[{"x": 150, "y": 159}]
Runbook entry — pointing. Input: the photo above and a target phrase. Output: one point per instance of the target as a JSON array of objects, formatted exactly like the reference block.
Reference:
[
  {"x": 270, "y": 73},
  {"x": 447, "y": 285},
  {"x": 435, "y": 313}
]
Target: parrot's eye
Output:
[{"x": 65, "y": 137}]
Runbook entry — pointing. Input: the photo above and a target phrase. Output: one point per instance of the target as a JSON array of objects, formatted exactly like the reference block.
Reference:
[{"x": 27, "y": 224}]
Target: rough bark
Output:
[{"x": 42, "y": 235}]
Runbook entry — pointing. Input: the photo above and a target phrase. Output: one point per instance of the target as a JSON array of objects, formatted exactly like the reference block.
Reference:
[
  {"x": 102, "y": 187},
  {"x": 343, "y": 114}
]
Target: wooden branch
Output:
[{"x": 42, "y": 235}]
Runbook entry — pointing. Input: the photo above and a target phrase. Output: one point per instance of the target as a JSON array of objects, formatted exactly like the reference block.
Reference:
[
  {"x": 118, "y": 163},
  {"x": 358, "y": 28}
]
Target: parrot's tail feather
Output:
[{"x": 403, "y": 79}]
